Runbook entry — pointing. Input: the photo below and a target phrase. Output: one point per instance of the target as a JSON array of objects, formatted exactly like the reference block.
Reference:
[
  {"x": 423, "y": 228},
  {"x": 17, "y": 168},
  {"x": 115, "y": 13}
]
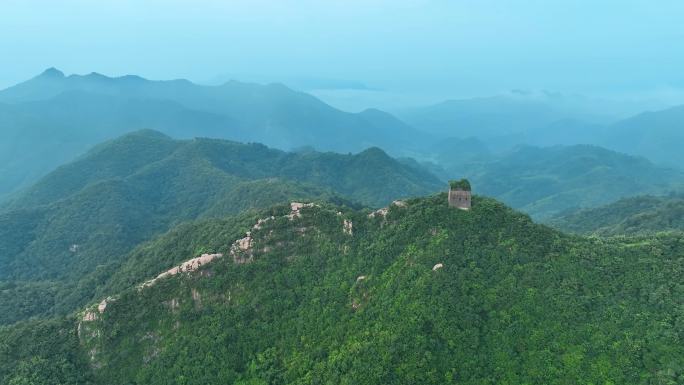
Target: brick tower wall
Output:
[{"x": 459, "y": 199}]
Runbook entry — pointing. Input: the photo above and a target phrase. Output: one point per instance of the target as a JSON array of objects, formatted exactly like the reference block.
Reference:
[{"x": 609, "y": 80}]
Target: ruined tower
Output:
[{"x": 459, "y": 194}]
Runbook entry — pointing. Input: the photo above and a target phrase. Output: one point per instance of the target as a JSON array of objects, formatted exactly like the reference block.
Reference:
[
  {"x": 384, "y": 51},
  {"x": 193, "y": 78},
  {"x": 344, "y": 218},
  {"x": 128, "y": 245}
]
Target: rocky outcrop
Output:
[
  {"x": 89, "y": 316},
  {"x": 296, "y": 207},
  {"x": 379, "y": 213},
  {"x": 92, "y": 315},
  {"x": 383, "y": 211},
  {"x": 241, "y": 250},
  {"x": 260, "y": 223},
  {"x": 102, "y": 306},
  {"x": 347, "y": 226},
  {"x": 187, "y": 266}
]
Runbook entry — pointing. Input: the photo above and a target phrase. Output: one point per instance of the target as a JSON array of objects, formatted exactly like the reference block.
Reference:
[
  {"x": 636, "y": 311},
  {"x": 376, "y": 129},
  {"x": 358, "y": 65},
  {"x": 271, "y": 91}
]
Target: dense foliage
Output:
[
  {"x": 513, "y": 303},
  {"x": 461, "y": 184},
  {"x": 62, "y": 235},
  {"x": 638, "y": 215},
  {"x": 43, "y": 352}
]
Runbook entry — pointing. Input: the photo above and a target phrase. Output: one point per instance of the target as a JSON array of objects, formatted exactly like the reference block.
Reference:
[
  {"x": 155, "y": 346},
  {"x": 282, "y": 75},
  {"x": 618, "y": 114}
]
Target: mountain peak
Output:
[
  {"x": 51, "y": 72},
  {"x": 374, "y": 152}
]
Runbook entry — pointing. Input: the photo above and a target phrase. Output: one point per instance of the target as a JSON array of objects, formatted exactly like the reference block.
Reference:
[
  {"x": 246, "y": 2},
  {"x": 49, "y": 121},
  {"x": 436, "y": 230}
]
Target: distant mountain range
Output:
[
  {"x": 657, "y": 135},
  {"x": 497, "y": 118},
  {"x": 52, "y": 118},
  {"x": 506, "y": 121}
]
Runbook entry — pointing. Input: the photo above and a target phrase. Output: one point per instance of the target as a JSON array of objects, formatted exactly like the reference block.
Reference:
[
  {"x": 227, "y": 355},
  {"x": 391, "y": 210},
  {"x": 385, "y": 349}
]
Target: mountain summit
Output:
[{"x": 51, "y": 72}]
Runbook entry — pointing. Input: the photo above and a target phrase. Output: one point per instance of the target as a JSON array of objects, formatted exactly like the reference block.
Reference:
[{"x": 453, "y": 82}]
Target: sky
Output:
[{"x": 412, "y": 50}]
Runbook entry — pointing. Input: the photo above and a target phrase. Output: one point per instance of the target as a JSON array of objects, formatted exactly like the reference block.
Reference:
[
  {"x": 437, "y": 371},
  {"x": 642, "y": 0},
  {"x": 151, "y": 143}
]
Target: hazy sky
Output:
[{"x": 440, "y": 47}]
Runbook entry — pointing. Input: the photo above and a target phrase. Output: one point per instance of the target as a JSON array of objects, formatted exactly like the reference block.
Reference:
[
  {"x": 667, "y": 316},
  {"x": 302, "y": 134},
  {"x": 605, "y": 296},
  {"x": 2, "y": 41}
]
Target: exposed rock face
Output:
[
  {"x": 261, "y": 222},
  {"x": 241, "y": 250},
  {"x": 102, "y": 306},
  {"x": 347, "y": 226},
  {"x": 383, "y": 211},
  {"x": 295, "y": 208},
  {"x": 437, "y": 267},
  {"x": 89, "y": 316},
  {"x": 187, "y": 266},
  {"x": 379, "y": 213},
  {"x": 245, "y": 243}
]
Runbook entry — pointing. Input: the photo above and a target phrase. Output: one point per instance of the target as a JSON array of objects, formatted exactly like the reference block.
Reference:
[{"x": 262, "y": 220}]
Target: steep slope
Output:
[
  {"x": 419, "y": 294},
  {"x": 84, "y": 217},
  {"x": 637, "y": 215},
  {"x": 63, "y": 115}
]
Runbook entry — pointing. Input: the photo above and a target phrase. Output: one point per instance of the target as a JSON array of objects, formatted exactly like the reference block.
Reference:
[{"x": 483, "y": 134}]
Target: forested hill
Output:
[
  {"x": 418, "y": 293},
  {"x": 370, "y": 177},
  {"x": 638, "y": 215},
  {"x": 85, "y": 216}
]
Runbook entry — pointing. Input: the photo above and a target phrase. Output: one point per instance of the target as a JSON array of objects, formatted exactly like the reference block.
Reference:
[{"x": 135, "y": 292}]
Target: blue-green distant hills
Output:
[
  {"x": 52, "y": 118},
  {"x": 508, "y": 120}
]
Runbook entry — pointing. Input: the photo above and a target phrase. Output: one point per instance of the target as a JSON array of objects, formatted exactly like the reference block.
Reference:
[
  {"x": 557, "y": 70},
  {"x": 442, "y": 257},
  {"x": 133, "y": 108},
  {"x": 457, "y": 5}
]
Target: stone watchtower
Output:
[{"x": 459, "y": 194}]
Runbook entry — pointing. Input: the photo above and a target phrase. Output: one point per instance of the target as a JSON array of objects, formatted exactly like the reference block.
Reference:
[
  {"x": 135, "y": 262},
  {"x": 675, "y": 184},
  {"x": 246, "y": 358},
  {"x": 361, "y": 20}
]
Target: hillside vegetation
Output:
[
  {"x": 65, "y": 232},
  {"x": 638, "y": 215},
  {"x": 418, "y": 294}
]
